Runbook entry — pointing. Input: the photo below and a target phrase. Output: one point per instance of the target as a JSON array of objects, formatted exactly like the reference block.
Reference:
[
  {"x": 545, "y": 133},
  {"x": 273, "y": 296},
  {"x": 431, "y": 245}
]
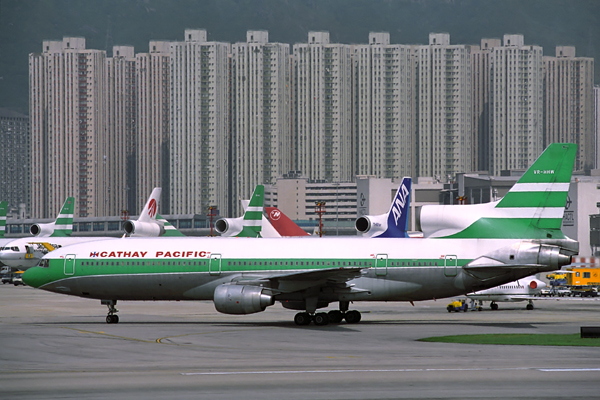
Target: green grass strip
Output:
[{"x": 518, "y": 339}]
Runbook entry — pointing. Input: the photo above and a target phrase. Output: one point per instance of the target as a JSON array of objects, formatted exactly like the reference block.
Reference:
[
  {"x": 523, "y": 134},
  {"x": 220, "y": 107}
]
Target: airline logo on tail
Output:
[
  {"x": 532, "y": 209},
  {"x": 254, "y": 213},
  {"x": 283, "y": 224},
  {"x": 152, "y": 207},
  {"x": 3, "y": 211},
  {"x": 63, "y": 226},
  {"x": 397, "y": 222},
  {"x": 399, "y": 204}
]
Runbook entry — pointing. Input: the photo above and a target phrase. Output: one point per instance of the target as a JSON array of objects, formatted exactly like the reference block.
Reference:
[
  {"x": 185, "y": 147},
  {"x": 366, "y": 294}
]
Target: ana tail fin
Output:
[
  {"x": 63, "y": 226},
  {"x": 253, "y": 214},
  {"x": 3, "y": 211},
  {"x": 397, "y": 221}
]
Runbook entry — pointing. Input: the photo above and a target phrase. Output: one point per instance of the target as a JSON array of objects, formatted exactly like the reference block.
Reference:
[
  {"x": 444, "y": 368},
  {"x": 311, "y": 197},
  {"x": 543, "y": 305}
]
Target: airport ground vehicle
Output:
[
  {"x": 18, "y": 280},
  {"x": 585, "y": 292},
  {"x": 7, "y": 279},
  {"x": 457, "y": 306}
]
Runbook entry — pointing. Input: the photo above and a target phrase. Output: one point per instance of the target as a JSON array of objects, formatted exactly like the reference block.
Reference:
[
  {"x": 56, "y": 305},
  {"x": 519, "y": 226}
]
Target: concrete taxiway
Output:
[{"x": 60, "y": 347}]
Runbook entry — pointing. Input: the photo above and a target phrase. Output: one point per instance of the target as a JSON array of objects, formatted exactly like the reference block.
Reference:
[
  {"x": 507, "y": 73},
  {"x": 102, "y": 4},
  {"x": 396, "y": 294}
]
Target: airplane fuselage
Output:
[{"x": 191, "y": 268}]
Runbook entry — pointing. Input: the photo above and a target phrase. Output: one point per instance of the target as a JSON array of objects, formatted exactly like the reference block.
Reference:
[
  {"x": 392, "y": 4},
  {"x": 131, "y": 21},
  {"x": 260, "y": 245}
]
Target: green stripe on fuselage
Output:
[{"x": 40, "y": 276}]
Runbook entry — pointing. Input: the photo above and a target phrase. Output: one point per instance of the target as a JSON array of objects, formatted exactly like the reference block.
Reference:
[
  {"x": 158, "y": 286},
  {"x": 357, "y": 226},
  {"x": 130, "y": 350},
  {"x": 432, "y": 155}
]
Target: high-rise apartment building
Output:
[
  {"x": 15, "y": 161},
  {"x": 199, "y": 124},
  {"x": 323, "y": 98},
  {"x": 260, "y": 128},
  {"x": 68, "y": 133},
  {"x": 120, "y": 94},
  {"x": 569, "y": 105},
  {"x": 444, "y": 108},
  {"x": 384, "y": 97},
  {"x": 597, "y": 123},
  {"x": 481, "y": 82},
  {"x": 150, "y": 151},
  {"x": 516, "y": 105}
]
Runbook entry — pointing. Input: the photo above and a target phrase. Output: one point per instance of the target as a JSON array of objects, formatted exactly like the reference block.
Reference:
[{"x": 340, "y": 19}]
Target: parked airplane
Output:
[
  {"x": 150, "y": 223},
  {"x": 244, "y": 276},
  {"x": 24, "y": 253},
  {"x": 392, "y": 224},
  {"x": 525, "y": 289},
  {"x": 252, "y": 224}
]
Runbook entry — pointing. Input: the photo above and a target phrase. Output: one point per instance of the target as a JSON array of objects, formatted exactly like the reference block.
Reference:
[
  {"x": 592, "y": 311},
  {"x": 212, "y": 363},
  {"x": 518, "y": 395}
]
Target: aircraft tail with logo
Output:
[
  {"x": 532, "y": 209},
  {"x": 62, "y": 226},
  {"x": 150, "y": 223},
  {"x": 250, "y": 225},
  {"x": 3, "y": 212},
  {"x": 395, "y": 222},
  {"x": 284, "y": 225}
]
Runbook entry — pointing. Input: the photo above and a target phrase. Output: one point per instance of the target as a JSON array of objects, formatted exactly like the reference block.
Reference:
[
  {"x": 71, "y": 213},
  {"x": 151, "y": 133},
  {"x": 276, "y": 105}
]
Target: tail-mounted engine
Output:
[
  {"x": 229, "y": 226},
  {"x": 43, "y": 230},
  {"x": 241, "y": 299},
  {"x": 146, "y": 229},
  {"x": 371, "y": 225}
]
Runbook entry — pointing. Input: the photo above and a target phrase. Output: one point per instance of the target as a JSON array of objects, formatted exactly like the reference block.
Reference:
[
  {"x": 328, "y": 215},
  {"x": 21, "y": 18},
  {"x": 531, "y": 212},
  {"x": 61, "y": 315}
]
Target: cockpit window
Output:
[
  {"x": 15, "y": 248},
  {"x": 44, "y": 263}
]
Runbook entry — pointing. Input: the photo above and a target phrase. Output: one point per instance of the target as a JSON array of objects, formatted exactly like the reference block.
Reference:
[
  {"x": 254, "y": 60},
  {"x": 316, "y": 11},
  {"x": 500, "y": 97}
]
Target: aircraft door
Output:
[
  {"x": 381, "y": 265},
  {"x": 70, "y": 264},
  {"x": 450, "y": 266},
  {"x": 214, "y": 267}
]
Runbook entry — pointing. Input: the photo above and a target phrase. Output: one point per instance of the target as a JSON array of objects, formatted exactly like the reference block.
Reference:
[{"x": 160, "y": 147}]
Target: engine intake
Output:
[
  {"x": 146, "y": 229},
  {"x": 42, "y": 229},
  {"x": 241, "y": 299},
  {"x": 229, "y": 226}
]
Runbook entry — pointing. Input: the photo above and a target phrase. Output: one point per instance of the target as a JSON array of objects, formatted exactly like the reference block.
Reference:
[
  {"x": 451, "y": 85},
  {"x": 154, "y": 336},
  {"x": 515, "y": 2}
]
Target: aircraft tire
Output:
[
  {"x": 352, "y": 317},
  {"x": 321, "y": 319},
  {"x": 302, "y": 318},
  {"x": 529, "y": 307},
  {"x": 335, "y": 316}
]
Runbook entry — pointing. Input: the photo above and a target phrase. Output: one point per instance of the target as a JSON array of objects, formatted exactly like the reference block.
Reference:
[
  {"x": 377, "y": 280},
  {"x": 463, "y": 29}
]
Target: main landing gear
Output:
[
  {"x": 333, "y": 316},
  {"x": 112, "y": 317}
]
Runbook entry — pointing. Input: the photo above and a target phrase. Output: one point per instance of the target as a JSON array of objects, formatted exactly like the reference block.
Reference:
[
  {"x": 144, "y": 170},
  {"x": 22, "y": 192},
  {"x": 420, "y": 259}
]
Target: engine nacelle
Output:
[
  {"x": 42, "y": 230},
  {"x": 229, "y": 226},
  {"x": 241, "y": 299},
  {"x": 443, "y": 220},
  {"x": 144, "y": 229},
  {"x": 371, "y": 225}
]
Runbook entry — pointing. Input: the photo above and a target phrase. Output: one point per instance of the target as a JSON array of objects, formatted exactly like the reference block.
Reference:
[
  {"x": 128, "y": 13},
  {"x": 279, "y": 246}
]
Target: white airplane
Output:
[
  {"x": 525, "y": 289},
  {"x": 519, "y": 237},
  {"x": 149, "y": 222},
  {"x": 24, "y": 253}
]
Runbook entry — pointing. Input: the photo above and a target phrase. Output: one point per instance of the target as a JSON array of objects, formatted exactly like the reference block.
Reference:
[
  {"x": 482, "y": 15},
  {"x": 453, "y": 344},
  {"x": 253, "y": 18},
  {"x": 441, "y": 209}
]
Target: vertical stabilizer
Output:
[
  {"x": 169, "y": 229},
  {"x": 63, "y": 226},
  {"x": 397, "y": 221},
  {"x": 254, "y": 213},
  {"x": 3, "y": 211}
]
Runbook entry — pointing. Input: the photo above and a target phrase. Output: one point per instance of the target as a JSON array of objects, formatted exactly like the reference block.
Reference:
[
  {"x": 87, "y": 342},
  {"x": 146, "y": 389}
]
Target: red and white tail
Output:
[{"x": 283, "y": 225}]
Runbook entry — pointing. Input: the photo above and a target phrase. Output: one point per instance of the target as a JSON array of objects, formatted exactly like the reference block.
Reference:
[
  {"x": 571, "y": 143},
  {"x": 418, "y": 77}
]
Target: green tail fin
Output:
[
  {"x": 3, "y": 211},
  {"x": 254, "y": 213},
  {"x": 533, "y": 208},
  {"x": 63, "y": 226},
  {"x": 170, "y": 230}
]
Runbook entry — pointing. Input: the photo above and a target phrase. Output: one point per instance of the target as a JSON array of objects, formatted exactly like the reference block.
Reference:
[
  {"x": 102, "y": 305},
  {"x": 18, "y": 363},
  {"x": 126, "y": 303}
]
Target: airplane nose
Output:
[{"x": 35, "y": 277}]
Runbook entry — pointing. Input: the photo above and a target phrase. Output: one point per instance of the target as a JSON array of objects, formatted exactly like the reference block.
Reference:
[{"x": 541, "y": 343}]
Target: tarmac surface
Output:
[{"x": 60, "y": 347}]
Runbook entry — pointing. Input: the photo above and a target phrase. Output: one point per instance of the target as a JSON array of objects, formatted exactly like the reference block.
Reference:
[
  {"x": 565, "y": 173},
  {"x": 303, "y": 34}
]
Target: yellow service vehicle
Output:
[{"x": 457, "y": 306}]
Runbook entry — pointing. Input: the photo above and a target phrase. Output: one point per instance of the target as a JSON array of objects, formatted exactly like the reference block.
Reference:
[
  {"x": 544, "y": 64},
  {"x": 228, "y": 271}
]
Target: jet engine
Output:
[
  {"x": 241, "y": 299},
  {"x": 371, "y": 225},
  {"x": 146, "y": 229},
  {"x": 442, "y": 220},
  {"x": 42, "y": 230},
  {"x": 229, "y": 226}
]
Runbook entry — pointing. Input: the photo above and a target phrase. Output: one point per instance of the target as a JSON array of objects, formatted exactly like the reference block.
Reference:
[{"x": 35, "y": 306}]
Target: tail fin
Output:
[
  {"x": 3, "y": 211},
  {"x": 284, "y": 225},
  {"x": 533, "y": 208},
  {"x": 63, "y": 226},
  {"x": 170, "y": 230},
  {"x": 151, "y": 208},
  {"x": 254, "y": 213},
  {"x": 397, "y": 221}
]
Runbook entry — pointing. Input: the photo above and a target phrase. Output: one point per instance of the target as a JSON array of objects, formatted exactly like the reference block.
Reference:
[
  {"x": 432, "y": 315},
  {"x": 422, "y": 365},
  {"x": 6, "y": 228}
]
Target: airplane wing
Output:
[{"x": 296, "y": 281}]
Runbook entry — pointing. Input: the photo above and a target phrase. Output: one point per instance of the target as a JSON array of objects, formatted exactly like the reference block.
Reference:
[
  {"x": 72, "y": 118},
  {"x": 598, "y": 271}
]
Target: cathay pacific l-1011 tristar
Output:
[{"x": 519, "y": 236}]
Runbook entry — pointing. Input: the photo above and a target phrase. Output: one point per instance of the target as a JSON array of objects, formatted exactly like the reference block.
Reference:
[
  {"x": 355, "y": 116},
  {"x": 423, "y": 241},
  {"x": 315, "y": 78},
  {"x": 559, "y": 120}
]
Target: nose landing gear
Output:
[{"x": 112, "y": 317}]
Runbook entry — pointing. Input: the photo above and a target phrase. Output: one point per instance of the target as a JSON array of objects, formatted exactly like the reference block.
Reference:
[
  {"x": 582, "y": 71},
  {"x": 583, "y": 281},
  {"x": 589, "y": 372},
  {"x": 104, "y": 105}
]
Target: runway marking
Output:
[
  {"x": 109, "y": 335},
  {"x": 353, "y": 371}
]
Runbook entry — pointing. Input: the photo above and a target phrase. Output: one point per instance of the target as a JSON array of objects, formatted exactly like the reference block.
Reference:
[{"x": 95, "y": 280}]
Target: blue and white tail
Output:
[{"x": 394, "y": 224}]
